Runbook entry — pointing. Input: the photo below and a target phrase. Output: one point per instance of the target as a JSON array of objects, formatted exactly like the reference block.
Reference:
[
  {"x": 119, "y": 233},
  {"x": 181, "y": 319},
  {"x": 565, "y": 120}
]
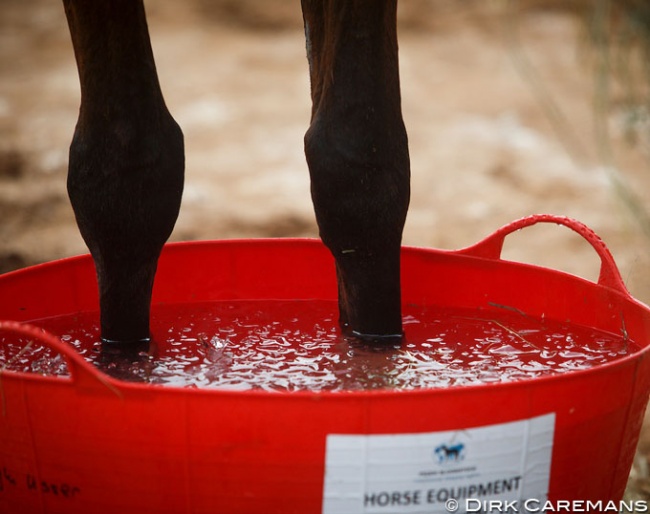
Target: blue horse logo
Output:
[{"x": 453, "y": 453}]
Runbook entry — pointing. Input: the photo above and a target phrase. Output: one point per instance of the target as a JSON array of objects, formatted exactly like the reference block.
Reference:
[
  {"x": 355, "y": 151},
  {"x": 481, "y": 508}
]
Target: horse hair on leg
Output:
[
  {"x": 357, "y": 153},
  {"x": 125, "y": 177}
]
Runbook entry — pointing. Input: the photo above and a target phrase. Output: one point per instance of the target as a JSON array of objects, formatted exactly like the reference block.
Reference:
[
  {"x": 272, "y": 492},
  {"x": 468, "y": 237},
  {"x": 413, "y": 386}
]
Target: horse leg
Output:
[
  {"x": 125, "y": 176},
  {"x": 357, "y": 153}
]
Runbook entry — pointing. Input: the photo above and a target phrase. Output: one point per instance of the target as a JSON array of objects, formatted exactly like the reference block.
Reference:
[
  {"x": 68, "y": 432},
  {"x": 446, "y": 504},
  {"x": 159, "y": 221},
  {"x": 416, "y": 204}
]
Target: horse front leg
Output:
[
  {"x": 126, "y": 168},
  {"x": 357, "y": 153}
]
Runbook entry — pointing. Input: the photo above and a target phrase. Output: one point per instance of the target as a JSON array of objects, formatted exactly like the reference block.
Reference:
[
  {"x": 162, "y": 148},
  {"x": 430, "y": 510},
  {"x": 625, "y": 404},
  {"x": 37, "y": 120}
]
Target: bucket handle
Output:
[
  {"x": 82, "y": 373},
  {"x": 491, "y": 246}
]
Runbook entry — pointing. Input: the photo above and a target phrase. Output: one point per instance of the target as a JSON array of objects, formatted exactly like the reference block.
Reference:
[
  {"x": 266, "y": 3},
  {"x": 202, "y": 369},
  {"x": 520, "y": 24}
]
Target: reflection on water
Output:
[{"x": 296, "y": 345}]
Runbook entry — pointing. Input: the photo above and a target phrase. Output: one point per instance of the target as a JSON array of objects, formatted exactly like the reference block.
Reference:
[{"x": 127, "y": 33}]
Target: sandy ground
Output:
[{"x": 483, "y": 149}]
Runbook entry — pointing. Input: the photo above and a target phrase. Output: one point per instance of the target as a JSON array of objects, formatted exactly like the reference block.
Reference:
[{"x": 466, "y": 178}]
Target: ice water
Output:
[{"x": 297, "y": 345}]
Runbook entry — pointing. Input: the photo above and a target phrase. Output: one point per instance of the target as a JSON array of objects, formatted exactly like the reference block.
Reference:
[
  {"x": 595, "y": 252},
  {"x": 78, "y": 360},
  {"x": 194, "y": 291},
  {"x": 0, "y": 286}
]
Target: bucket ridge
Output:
[{"x": 82, "y": 373}]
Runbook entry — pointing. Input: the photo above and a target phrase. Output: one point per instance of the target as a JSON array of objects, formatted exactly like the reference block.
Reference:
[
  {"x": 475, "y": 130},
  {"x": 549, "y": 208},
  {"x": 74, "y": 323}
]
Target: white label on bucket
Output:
[{"x": 439, "y": 472}]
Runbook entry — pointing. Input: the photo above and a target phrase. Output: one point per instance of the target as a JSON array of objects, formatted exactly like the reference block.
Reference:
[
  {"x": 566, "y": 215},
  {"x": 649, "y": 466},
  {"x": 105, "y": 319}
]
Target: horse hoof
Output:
[{"x": 378, "y": 339}]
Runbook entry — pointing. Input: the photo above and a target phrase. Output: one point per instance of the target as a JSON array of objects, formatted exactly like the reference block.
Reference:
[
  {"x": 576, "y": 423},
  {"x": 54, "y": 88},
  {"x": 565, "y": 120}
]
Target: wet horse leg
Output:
[
  {"x": 357, "y": 153},
  {"x": 125, "y": 177}
]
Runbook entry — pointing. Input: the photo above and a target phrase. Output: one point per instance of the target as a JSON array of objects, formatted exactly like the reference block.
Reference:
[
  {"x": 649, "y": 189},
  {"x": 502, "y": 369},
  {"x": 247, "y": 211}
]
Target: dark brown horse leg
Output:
[
  {"x": 357, "y": 152},
  {"x": 126, "y": 167}
]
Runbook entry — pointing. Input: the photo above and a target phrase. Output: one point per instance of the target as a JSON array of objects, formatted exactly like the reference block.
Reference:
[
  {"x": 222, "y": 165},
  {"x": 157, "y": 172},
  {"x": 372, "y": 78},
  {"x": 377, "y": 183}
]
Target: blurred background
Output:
[{"x": 513, "y": 107}]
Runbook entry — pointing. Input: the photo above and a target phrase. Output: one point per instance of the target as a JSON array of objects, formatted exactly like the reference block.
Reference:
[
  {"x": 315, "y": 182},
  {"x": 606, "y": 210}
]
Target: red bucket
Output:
[{"x": 89, "y": 443}]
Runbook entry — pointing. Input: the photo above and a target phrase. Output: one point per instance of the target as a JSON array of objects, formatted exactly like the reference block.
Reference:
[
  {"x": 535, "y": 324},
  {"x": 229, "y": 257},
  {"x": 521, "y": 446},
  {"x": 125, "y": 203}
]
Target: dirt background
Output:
[{"x": 478, "y": 86}]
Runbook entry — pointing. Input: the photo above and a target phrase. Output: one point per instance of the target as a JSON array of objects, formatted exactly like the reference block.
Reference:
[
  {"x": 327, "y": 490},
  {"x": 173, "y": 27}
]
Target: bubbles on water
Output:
[
  {"x": 49, "y": 365},
  {"x": 296, "y": 345},
  {"x": 26, "y": 356}
]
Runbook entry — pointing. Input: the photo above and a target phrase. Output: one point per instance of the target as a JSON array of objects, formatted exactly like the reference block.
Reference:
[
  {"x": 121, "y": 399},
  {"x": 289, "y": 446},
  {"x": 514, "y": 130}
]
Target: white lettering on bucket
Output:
[{"x": 423, "y": 472}]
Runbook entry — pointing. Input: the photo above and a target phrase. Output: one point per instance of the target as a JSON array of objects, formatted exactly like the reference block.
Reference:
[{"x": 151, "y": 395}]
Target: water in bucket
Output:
[{"x": 296, "y": 345}]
